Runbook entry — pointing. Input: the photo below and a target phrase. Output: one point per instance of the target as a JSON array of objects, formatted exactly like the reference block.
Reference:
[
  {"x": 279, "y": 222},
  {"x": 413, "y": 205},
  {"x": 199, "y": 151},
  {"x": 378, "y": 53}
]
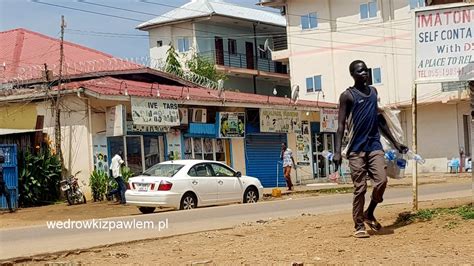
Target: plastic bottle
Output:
[
  {"x": 327, "y": 154},
  {"x": 416, "y": 157},
  {"x": 391, "y": 155}
]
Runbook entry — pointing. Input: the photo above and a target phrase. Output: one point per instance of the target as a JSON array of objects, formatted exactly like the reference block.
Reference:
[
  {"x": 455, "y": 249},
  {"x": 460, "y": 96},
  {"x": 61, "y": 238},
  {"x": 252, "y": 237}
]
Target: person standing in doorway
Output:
[
  {"x": 288, "y": 162},
  {"x": 358, "y": 108},
  {"x": 115, "y": 166},
  {"x": 3, "y": 186}
]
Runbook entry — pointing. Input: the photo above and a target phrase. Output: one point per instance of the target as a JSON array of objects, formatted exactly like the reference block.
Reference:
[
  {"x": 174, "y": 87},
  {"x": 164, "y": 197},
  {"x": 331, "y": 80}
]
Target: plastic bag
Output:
[{"x": 396, "y": 163}]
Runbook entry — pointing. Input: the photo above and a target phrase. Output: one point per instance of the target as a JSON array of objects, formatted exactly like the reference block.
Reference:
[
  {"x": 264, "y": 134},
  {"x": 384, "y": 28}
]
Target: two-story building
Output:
[
  {"x": 230, "y": 36},
  {"x": 324, "y": 37}
]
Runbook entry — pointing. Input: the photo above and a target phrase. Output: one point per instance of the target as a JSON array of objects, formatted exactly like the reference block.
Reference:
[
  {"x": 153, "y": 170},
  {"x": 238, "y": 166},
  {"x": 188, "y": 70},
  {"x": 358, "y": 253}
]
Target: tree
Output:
[
  {"x": 203, "y": 67},
  {"x": 172, "y": 63}
]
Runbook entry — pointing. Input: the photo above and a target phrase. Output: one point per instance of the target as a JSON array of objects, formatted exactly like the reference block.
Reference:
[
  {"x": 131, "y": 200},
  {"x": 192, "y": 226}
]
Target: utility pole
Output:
[
  {"x": 414, "y": 147},
  {"x": 57, "y": 126},
  {"x": 471, "y": 96}
]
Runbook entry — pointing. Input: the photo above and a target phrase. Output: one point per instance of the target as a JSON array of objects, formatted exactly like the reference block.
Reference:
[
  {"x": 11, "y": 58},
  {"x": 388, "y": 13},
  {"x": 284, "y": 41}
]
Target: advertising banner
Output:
[
  {"x": 279, "y": 121},
  {"x": 231, "y": 125},
  {"x": 152, "y": 112},
  {"x": 444, "y": 44}
]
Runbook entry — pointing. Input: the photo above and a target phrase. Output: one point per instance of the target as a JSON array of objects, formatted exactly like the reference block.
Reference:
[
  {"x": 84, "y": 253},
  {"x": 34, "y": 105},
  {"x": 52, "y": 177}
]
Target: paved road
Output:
[{"x": 21, "y": 242}]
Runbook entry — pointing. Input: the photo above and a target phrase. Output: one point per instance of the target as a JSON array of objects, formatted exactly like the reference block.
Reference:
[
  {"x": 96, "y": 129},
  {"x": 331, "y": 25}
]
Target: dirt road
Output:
[{"x": 307, "y": 239}]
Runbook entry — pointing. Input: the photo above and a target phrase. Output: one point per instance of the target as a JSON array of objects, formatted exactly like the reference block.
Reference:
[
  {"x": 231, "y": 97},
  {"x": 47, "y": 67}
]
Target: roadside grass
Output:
[{"x": 466, "y": 212}]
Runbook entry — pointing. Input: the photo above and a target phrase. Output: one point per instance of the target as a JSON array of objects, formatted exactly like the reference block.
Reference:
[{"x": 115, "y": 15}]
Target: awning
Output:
[{"x": 9, "y": 131}]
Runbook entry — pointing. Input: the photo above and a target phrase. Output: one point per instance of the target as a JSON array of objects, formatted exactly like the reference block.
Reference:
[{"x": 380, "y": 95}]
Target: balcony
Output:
[{"x": 245, "y": 62}]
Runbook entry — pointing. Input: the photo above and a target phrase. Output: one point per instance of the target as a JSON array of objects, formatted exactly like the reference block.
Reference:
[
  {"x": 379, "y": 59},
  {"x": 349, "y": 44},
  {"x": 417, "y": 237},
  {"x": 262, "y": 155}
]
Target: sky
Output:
[{"x": 115, "y": 36}]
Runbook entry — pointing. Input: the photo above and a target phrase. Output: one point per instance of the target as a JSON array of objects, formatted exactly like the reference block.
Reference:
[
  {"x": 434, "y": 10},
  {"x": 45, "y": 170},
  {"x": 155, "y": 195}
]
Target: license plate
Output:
[
  {"x": 64, "y": 187},
  {"x": 142, "y": 187}
]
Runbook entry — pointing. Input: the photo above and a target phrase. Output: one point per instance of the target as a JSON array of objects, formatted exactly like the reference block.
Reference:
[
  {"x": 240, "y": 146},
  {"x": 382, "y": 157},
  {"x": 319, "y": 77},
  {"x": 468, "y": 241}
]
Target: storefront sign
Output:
[
  {"x": 151, "y": 112},
  {"x": 279, "y": 121},
  {"x": 99, "y": 149},
  {"x": 303, "y": 145},
  {"x": 231, "y": 125},
  {"x": 329, "y": 120},
  {"x": 444, "y": 44},
  {"x": 115, "y": 120},
  {"x": 173, "y": 139},
  {"x": 131, "y": 127}
]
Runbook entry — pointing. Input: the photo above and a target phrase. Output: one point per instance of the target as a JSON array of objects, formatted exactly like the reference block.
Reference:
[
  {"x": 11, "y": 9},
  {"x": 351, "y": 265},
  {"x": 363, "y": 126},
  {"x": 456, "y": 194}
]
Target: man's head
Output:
[
  {"x": 120, "y": 152},
  {"x": 359, "y": 71},
  {"x": 283, "y": 146}
]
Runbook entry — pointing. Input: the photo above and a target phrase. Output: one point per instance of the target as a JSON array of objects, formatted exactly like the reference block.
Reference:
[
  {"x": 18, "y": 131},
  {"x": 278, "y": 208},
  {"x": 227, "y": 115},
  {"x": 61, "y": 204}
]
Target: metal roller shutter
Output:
[{"x": 262, "y": 152}]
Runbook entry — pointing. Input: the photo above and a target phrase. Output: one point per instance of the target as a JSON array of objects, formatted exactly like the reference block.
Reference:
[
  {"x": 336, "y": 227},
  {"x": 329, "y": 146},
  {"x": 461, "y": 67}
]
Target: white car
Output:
[{"x": 188, "y": 184}]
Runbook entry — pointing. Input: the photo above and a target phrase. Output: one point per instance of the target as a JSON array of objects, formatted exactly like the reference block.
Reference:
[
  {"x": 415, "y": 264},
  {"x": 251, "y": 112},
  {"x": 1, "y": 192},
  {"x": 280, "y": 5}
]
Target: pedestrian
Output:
[
  {"x": 3, "y": 186},
  {"x": 288, "y": 162},
  {"x": 359, "y": 109},
  {"x": 115, "y": 166}
]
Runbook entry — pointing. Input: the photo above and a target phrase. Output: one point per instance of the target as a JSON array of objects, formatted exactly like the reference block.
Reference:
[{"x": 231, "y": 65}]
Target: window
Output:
[
  {"x": 159, "y": 43},
  {"x": 205, "y": 148},
  {"x": 232, "y": 47},
  {"x": 163, "y": 170},
  {"x": 183, "y": 45},
  {"x": 200, "y": 170},
  {"x": 368, "y": 10},
  {"x": 416, "y": 3},
  {"x": 221, "y": 170},
  {"x": 309, "y": 21},
  {"x": 262, "y": 53},
  {"x": 313, "y": 84},
  {"x": 376, "y": 75}
]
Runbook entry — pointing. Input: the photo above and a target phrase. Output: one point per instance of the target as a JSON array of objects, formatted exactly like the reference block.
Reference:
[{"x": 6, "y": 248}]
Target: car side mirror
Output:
[{"x": 238, "y": 174}]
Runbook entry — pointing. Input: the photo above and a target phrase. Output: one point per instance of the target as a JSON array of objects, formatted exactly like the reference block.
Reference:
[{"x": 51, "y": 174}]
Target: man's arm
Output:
[
  {"x": 345, "y": 106},
  {"x": 383, "y": 126}
]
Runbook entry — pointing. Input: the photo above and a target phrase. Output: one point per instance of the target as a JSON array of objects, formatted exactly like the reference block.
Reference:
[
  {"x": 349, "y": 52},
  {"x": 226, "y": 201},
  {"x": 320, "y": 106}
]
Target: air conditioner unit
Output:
[
  {"x": 183, "y": 116},
  {"x": 198, "y": 115}
]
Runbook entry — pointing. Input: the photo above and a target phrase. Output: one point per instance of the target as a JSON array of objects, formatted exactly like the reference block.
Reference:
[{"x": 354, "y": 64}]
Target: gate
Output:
[{"x": 10, "y": 174}]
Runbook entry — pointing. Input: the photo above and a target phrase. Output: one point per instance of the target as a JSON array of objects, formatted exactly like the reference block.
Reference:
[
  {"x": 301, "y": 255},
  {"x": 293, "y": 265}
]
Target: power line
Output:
[
  {"x": 297, "y": 15},
  {"x": 104, "y": 14}
]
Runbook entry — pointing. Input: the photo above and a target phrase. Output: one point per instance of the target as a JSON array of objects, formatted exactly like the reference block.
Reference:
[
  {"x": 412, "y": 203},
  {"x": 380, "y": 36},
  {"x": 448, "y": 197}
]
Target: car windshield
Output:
[{"x": 163, "y": 170}]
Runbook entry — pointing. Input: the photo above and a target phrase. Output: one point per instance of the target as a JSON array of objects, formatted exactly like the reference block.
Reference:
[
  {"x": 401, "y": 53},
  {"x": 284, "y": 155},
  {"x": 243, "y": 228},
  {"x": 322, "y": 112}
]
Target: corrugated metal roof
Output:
[
  {"x": 115, "y": 87},
  {"x": 25, "y": 52},
  {"x": 204, "y": 8}
]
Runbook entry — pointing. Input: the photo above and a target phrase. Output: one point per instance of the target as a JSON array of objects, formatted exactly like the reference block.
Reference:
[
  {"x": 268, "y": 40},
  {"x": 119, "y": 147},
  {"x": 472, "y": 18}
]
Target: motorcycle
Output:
[{"x": 70, "y": 187}]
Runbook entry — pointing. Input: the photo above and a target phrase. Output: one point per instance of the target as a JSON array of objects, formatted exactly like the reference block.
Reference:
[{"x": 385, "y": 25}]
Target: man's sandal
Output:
[
  {"x": 362, "y": 233},
  {"x": 373, "y": 224}
]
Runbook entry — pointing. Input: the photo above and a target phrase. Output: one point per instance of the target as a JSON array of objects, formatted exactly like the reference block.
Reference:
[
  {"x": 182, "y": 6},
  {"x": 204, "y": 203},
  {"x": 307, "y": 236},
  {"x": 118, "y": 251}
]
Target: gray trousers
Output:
[{"x": 361, "y": 165}]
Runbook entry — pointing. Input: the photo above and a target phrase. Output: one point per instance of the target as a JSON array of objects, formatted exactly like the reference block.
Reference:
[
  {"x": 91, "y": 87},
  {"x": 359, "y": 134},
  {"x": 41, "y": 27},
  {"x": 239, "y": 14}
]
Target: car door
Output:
[
  {"x": 229, "y": 187},
  {"x": 203, "y": 183}
]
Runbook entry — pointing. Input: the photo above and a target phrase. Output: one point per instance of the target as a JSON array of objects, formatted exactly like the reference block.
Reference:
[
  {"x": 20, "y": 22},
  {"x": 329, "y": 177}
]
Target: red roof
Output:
[
  {"x": 113, "y": 87},
  {"x": 23, "y": 54}
]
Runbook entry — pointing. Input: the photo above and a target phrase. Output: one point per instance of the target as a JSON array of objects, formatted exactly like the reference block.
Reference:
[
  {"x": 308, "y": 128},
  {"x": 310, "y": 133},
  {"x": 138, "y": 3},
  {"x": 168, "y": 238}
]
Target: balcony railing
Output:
[{"x": 237, "y": 60}]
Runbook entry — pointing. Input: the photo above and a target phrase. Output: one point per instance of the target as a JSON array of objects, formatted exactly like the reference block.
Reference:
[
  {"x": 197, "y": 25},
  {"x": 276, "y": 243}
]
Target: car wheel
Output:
[
  {"x": 251, "y": 195},
  {"x": 188, "y": 202},
  {"x": 146, "y": 210}
]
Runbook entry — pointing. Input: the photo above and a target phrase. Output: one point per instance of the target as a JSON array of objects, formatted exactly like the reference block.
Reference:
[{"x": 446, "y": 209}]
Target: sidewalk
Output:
[{"x": 323, "y": 184}]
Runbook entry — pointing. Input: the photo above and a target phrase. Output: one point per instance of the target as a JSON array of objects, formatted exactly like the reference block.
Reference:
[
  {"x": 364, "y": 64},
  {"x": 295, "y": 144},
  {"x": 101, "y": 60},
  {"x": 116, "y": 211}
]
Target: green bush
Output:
[
  {"x": 126, "y": 174},
  {"x": 98, "y": 182},
  {"x": 39, "y": 177}
]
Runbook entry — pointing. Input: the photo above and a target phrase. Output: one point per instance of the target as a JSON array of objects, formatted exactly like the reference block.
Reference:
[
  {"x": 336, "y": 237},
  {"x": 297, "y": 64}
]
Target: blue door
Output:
[
  {"x": 262, "y": 157},
  {"x": 10, "y": 174}
]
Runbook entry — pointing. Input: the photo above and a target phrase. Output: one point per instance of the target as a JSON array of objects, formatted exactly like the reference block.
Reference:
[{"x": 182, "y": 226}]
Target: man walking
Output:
[
  {"x": 3, "y": 186},
  {"x": 288, "y": 162},
  {"x": 115, "y": 166},
  {"x": 358, "y": 107}
]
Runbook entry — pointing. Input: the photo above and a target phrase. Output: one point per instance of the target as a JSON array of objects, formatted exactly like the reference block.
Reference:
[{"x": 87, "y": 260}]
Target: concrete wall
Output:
[
  {"x": 341, "y": 37},
  {"x": 238, "y": 155},
  {"x": 76, "y": 143},
  {"x": 440, "y": 133},
  {"x": 169, "y": 34}
]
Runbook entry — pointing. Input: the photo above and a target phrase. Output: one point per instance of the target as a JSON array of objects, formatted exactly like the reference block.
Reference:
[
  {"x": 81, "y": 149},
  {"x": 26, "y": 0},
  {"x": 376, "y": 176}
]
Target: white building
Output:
[
  {"x": 324, "y": 37},
  {"x": 231, "y": 36}
]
